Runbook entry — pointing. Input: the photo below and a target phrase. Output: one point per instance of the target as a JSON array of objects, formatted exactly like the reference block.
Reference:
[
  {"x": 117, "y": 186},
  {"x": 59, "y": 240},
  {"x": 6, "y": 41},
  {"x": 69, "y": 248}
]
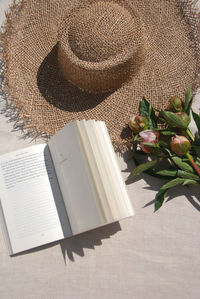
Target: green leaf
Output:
[
  {"x": 187, "y": 98},
  {"x": 197, "y": 161},
  {"x": 168, "y": 152},
  {"x": 144, "y": 107},
  {"x": 189, "y": 106},
  {"x": 163, "y": 143},
  {"x": 187, "y": 175},
  {"x": 159, "y": 152},
  {"x": 147, "y": 110},
  {"x": 149, "y": 144},
  {"x": 173, "y": 183},
  {"x": 153, "y": 119},
  {"x": 162, "y": 174},
  {"x": 142, "y": 167},
  {"x": 172, "y": 174},
  {"x": 189, "y": 182},
  {"x": 160, "y": 197},
  {"x": 196, "y": 119},
  {"x": 168, "y": 133},
  {"x": 166, "y": 173},
  {"x": 182, "y": 165},
  {"x": 173, "y": 120},
  {"x": 197, "y": 139}
]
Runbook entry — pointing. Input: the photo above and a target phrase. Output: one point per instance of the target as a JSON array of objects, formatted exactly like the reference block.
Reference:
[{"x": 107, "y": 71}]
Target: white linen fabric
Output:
[{"x": 151, "y": 255}]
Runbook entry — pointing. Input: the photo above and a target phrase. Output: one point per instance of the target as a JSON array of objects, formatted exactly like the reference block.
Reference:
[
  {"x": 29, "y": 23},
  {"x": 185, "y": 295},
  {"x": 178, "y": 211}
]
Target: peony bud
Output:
[
  {"x": 180, "y": 145},
  {"x": 184, "y": 117},
  {"x": 138, "y": 123},
  {"x": 175, "y": 104},
  {"x": 148, "y": 136},
  {"x": 178, "y": 120}
]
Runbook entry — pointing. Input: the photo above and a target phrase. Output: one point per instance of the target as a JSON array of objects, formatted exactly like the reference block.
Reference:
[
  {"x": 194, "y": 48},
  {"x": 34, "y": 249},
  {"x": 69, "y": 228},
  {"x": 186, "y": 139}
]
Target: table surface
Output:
[{"x": 150, "y": 255}]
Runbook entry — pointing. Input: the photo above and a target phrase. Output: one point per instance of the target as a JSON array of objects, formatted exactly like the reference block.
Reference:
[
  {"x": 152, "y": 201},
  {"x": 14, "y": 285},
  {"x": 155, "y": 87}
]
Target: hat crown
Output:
[
  {"x": 102, "y": 30},
  {"x": 100, "y": 46}
]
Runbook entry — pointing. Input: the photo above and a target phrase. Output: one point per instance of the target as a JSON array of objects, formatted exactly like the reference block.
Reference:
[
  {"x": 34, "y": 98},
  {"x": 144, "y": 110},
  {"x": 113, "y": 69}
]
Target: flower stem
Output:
[
  {"x": 190, "y": 134},
  {"x": 193, "y": 163}
]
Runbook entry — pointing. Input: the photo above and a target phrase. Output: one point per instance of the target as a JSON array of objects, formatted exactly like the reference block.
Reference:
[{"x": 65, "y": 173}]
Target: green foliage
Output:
[
  {"x": 188, "y": 101},
  {"x": 160, "y": 197},
  {"x": 147, "y": 110},
  {"x": 189, "y": 106},
  {"x": 165, "y": 174},
  {"x": 142, "y": 167},
  {"x": 149, "y": 144},
  {"x": 196, "y": 119},
  {"x": 162, "y": 162},
  {"x": 197, "y": 139},
  {"x": 182, "y": 165},
  {"x": 167, "y": 133}
]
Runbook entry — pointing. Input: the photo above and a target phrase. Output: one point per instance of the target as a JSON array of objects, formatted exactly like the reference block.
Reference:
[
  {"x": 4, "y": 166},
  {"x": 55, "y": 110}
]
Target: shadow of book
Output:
[
  {"x": 87, "y": 240},
  {"x": 77, "y": 244}
]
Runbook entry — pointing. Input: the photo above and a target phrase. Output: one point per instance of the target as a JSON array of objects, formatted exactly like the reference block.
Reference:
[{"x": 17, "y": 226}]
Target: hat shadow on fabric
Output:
[{"x": 61, "y": 93}]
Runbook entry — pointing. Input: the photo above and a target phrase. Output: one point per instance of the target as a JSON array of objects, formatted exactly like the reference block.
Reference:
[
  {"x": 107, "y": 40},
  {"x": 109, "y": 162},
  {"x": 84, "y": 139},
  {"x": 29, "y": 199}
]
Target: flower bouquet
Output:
[{"x": 163, "y": 145}]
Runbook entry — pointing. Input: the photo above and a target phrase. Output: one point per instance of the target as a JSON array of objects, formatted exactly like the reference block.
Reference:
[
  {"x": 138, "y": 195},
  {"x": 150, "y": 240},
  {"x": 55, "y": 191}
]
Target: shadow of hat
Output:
[{"x": 61, "y": 92}]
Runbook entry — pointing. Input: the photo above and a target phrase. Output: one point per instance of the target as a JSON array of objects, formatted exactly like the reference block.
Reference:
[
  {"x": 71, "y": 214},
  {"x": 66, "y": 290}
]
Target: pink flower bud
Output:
[
  {"x": 148, "y": 136},
  {"x": 180, "y": 145},
  {"x": 175, "y": 104},
  {"x": 138, "y": 123}
]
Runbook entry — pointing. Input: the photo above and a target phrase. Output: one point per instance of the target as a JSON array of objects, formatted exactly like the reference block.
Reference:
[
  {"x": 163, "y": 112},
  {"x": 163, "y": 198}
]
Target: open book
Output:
[{"x": 56, "y": 190}]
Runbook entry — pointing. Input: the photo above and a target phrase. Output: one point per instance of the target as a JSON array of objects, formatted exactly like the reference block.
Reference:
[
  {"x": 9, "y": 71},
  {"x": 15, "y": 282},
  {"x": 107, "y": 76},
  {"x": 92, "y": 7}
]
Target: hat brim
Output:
[{"x": 48, "y": 101}]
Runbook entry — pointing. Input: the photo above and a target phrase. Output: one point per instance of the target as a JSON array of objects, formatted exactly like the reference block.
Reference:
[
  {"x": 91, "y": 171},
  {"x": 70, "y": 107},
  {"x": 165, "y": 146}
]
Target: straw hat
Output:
[{"x": 90, "y": 59}]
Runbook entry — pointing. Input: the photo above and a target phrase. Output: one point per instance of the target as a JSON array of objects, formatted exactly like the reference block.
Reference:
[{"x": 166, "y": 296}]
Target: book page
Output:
[
  {"x": 76, "y": 184},
  {"x": 31, "y": 201},
  {"x": 92, "y": 187}
]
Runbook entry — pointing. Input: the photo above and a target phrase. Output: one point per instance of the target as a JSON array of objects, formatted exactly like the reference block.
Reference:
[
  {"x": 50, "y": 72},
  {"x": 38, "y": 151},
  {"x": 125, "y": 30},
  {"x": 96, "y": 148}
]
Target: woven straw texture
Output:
[
  {"x": 157, "y": 38},
  {"x": 101, "y": 46}
]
